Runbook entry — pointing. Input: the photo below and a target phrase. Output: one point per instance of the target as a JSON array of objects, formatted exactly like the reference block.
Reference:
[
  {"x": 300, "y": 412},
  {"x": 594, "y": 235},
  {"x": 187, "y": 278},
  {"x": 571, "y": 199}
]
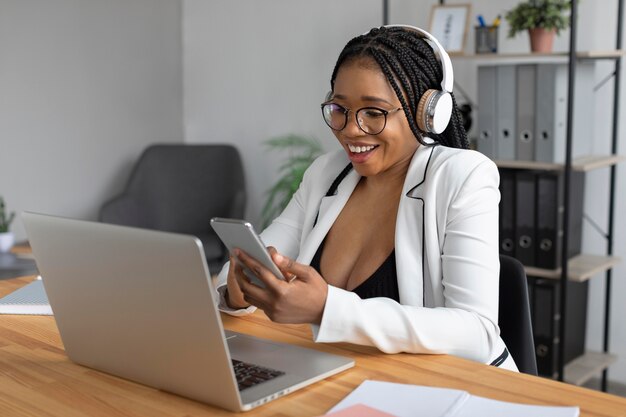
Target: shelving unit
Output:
[
  {"x": 581, "y": 369},
  {"x": 582, "y": 267}
]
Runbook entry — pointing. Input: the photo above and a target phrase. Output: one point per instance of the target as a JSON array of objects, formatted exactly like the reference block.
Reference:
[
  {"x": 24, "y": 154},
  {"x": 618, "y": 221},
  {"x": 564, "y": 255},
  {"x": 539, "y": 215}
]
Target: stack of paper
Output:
[
  {"x": 402, "y": 400},
  {"x": 30, "y": 299}
]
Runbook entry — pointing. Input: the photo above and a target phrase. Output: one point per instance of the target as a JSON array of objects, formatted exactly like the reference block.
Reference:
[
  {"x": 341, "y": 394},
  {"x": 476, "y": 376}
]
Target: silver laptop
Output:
[{"x": 139, "y": 304}]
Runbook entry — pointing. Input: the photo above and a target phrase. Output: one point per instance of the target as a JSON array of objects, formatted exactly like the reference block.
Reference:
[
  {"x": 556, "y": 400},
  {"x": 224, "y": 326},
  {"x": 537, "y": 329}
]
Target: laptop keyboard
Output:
[{"x": 249, "y": 375}]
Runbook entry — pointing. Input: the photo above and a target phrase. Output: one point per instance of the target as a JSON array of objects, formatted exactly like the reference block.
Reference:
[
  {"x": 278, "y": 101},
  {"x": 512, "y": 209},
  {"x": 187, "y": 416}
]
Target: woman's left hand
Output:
[{"x": 301, "y": 299}]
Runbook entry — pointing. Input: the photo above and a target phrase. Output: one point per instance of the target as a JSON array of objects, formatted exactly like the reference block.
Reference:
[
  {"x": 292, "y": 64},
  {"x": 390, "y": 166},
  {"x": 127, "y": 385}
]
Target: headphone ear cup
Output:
[
  {"x": 422, "y": 115},
  {"x": 434, "y": 111}
]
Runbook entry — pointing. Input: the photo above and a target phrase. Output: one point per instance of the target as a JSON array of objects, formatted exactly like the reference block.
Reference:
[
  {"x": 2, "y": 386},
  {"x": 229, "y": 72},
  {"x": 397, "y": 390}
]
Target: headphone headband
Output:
[{"x": 447, "y": 82}]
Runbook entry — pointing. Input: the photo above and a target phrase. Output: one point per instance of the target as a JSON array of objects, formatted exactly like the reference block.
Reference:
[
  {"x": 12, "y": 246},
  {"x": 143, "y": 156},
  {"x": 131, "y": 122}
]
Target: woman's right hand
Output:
[{"x": 234, "y": 295}]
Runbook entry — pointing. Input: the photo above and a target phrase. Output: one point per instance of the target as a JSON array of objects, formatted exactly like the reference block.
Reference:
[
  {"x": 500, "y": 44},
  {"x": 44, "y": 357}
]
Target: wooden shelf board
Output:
[
  {"x": 583, "y": 164},
  {"x": 591, "y": 162},
  {"x": 554, "y": 57},
  {"x": 580, "y": 267},
  {"x": 615, "y": 53},
  {"x": 583, "y": 368}
]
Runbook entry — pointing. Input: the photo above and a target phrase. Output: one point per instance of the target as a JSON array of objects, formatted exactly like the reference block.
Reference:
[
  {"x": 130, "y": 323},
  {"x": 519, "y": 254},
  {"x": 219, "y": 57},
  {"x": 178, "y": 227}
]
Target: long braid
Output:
[
  {"x": 408, "y": 110},
  {"x": 411, "y": 68}
]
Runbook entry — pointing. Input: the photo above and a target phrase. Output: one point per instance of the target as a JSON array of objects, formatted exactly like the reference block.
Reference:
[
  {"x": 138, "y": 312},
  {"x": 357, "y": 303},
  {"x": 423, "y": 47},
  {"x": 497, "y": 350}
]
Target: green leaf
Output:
[
  {"x": 301, "y": 152},
  {"x": 5, "y": 219},
  {"x": 547, "y": 14}
]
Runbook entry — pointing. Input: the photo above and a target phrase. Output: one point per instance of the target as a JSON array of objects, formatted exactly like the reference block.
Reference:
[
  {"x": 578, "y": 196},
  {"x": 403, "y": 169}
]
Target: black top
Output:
[{"x": 382, "y": 283}]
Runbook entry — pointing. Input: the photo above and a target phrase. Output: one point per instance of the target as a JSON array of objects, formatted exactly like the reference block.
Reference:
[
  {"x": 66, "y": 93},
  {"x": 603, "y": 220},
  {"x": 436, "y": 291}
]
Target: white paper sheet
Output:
[{"x": 404, "y": 400}]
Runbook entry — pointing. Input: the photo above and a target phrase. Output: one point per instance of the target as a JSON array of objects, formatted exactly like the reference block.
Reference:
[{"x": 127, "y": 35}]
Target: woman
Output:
[{"x": 394, "y": 238}]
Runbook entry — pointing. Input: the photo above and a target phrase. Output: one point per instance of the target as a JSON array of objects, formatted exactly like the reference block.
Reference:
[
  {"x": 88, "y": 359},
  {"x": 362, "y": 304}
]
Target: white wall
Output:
[
  {"x": 255, "y": 70},
  {"x": 84, "y": 87}
]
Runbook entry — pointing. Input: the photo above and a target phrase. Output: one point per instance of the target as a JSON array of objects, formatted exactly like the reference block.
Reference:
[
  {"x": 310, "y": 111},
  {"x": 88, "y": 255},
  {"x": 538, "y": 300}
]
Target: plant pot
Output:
[
  {"x": 541, "y": 40},
  {"x": 6, "y": 241}
]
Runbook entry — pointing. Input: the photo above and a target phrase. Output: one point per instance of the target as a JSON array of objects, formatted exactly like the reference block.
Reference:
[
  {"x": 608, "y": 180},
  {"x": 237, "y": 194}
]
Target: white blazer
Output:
[{"x": 447, "y": 261}]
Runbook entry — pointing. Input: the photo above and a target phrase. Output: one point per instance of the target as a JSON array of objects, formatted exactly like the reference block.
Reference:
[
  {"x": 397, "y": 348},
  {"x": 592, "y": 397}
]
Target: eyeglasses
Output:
[{"x": 370, "y": 120}]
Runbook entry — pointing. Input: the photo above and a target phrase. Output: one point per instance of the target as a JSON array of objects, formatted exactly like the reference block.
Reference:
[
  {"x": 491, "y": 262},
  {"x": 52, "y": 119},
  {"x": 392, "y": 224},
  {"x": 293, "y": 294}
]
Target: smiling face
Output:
[{"x": 360, "y": 83}]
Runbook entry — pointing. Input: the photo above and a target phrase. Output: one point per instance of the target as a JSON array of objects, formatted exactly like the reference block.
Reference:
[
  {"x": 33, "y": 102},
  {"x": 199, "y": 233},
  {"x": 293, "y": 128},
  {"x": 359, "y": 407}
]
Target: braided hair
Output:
[{"x": 411, "y": 68}]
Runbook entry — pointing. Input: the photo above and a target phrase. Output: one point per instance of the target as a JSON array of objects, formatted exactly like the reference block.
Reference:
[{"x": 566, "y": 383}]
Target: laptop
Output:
[{"x": 139, "y": 304}]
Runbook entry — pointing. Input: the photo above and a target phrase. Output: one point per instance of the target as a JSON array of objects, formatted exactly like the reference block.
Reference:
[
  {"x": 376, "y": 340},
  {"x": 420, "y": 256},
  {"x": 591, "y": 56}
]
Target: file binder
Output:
[
  {"x": 551, "y": 111},
  {"x": 525, "y": 86},
  {"x": 551, "y": 98},
  {"x": 545, "y": 308},
  {"x": 487, "y": 111},
  {"x": 505, "y": 112},
  {"x": 549, "y": 222},
  {"x": 545, "y": 319},
  {"x": 507, "y": 211},
  {"x": 525, "y": 217}
]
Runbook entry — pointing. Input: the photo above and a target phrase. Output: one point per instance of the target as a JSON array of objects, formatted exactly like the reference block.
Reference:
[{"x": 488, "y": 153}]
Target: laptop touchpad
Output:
[{"x": 242, "y": 346}]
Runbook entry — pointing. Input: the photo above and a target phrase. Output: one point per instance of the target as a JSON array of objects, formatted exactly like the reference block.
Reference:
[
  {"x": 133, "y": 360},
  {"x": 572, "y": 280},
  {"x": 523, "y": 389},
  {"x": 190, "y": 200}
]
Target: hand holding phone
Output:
[{"x": 240, "y": 234}]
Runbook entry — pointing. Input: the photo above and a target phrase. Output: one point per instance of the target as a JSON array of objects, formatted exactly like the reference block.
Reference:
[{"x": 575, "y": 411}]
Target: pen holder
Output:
[{"x": 486, "y": 39}]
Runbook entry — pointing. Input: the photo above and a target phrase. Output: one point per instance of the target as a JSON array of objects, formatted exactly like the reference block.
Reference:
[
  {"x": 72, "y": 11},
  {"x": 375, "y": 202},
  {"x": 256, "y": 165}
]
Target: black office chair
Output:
[
  {"x": 179, "y": 188},
  {"x": 514, "y": 318}
]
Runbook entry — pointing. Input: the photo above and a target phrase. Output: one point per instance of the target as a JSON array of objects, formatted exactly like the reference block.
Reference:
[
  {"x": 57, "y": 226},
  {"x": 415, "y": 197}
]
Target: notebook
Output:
[
  {"x": 139, "y": 304},
  {"x": 30, "y": 299}
]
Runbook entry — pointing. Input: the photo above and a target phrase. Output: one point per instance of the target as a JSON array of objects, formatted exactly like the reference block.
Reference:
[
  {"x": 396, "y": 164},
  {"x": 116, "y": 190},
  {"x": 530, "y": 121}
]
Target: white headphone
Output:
[{"x": 434, "y": 108}]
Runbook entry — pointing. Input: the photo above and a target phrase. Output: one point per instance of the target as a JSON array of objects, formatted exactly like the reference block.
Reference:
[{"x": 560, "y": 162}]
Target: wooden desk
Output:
[{"x": 37, "y": 379}]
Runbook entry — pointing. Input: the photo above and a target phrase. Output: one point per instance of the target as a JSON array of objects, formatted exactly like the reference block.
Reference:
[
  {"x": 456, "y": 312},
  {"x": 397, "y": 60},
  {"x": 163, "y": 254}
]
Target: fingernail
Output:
[{"x": 279, "y": 258}]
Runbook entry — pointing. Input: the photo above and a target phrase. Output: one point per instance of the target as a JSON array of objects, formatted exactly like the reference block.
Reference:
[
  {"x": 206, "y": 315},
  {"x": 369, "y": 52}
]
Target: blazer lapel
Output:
[
  {"x": 414, "y": 287},
  {"x": 330, "y": 207}
]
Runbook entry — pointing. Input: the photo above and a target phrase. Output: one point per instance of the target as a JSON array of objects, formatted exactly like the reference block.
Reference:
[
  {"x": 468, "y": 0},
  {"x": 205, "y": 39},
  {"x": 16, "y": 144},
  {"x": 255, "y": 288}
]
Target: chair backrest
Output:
[
  {"x": 514, "y": 315},
  {"x": 180, "y": 187}
]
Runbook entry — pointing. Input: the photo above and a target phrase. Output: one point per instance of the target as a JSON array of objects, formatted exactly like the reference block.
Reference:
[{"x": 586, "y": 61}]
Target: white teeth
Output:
[{"x": 359, "y": 149}]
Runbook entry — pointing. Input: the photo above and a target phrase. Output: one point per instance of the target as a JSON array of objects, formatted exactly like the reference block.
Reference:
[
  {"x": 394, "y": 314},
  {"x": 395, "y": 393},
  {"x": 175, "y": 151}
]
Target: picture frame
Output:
[{"x": 449, "y": 23}]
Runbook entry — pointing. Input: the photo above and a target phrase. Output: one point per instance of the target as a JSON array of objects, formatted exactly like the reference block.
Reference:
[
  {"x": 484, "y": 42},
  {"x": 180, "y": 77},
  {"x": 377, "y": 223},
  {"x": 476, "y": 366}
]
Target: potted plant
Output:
[
  {"x": 302, "y": 152},
  {"x": 543, "y": 19},
  {"x": 6, "y": 237}
]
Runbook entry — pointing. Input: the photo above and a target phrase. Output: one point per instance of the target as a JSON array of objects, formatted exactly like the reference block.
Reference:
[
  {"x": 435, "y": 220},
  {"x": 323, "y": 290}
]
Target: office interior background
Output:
[{"x": 86, "y": 85}]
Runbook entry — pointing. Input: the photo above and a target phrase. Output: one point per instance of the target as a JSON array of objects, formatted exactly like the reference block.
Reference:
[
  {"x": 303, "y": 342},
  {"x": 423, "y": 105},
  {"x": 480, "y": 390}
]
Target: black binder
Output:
[
  {"x": 525, "y": 217},
  {"x": 507, "y": 212},
  {"x": 545, "y": 319},
  {"x": 549, "y": 233},
  {"x": 545, "y": 315}
]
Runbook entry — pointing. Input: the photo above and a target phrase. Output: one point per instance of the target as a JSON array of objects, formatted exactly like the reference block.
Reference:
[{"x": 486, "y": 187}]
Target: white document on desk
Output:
[{"x": 404, "y": 400}]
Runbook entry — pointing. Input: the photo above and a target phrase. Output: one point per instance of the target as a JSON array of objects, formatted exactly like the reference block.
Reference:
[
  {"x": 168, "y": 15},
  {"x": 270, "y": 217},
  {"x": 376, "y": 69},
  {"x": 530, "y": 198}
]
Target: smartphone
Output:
[{"x": 240, "y": 234}]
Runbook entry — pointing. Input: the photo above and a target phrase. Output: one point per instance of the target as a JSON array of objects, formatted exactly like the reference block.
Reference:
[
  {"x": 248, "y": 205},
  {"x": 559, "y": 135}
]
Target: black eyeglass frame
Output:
[{"x": 356, "y": 113}]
